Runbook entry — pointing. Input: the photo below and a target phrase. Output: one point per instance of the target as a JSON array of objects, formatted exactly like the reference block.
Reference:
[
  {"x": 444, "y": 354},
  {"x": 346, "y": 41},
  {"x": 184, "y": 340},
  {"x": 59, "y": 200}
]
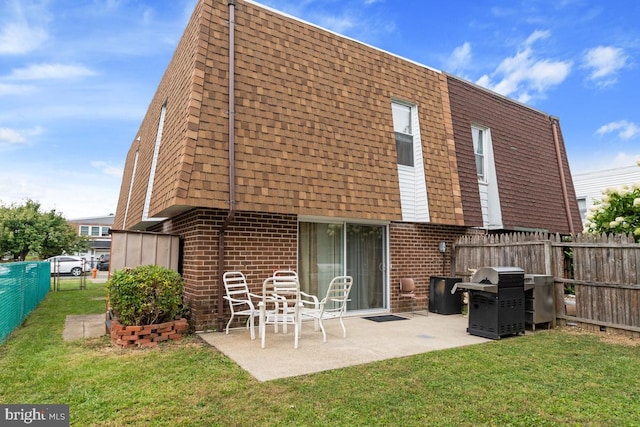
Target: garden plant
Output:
[{"x": 145, "y": 295}]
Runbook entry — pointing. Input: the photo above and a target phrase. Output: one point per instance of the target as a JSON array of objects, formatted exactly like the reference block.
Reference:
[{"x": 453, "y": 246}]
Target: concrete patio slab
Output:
[
  {"x": 366, "y": 342},
  {"x": 83, "y": 326}
]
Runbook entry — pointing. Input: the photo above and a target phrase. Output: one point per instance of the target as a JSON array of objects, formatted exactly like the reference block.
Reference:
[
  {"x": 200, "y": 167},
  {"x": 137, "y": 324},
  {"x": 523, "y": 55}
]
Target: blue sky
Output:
[{"x": 76, "y": 76}]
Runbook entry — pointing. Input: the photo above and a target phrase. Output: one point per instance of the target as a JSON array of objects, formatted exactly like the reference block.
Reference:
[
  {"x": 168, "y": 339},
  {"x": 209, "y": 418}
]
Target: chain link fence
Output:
[{"x": 22, "y": 286}]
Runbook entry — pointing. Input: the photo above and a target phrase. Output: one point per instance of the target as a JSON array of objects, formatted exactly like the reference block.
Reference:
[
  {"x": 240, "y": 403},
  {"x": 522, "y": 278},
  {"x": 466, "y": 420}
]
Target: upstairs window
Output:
[
  {"x": 480, "y": 150},
  {"x": 582, "y": 206},
  {"x": 402, "y": 120},
  {"x": 84, "y": 230}
]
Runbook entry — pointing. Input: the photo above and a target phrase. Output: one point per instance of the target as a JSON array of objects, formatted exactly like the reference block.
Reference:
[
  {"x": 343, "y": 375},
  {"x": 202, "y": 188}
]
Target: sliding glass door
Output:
[{"x": 327, "y": 250}]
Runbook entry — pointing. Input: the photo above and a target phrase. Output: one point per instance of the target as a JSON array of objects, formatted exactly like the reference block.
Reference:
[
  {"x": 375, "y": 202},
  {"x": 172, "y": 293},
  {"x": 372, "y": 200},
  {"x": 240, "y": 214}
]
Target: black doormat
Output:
[{"x": 385, "y": 318}]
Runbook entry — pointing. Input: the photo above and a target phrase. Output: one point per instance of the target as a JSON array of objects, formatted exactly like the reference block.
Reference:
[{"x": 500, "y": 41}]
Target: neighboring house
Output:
[
  {"x": 342, "y": 159},
  {"x": 98, "y": 231},
  {"x": 589, "y": 186}
]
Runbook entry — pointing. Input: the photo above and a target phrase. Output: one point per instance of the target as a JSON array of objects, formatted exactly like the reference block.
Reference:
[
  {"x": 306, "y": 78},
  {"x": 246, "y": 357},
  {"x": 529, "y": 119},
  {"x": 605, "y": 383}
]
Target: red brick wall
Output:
[
  {"x": 414, "y": 253},
  {"x": 255, "y": 244}
]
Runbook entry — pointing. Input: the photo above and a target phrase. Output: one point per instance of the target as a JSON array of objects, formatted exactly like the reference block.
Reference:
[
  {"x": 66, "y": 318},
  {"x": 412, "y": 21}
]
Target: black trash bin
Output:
[{"x": 441, "y": 300}]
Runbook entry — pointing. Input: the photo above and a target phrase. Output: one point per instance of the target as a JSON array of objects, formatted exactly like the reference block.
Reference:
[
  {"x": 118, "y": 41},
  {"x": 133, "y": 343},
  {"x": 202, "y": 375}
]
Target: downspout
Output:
[
  {"x": 232, "y": 172},
  {"x": 565, "y": 194}
]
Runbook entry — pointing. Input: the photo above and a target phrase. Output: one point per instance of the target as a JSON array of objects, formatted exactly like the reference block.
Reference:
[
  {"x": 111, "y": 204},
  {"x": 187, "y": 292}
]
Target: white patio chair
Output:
[
  {"x": 240, "y": 299},
  {"x": 305, "y": 298},
  {"x": 332, "y": 306},
  {"x": 280, "y": 305}
]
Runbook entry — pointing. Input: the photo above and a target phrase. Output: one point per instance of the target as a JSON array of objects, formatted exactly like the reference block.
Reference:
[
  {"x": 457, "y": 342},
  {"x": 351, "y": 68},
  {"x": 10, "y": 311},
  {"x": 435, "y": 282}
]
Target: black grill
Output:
[{"x": 496, "y": 302}]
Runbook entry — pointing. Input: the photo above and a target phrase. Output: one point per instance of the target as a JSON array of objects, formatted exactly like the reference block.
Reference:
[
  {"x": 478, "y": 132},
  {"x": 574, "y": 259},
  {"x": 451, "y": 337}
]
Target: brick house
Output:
[{"x": 342, "y": 158}]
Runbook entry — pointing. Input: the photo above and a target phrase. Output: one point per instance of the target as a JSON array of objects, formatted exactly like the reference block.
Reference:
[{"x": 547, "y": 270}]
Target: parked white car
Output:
[{"x": 67, "y": 264}]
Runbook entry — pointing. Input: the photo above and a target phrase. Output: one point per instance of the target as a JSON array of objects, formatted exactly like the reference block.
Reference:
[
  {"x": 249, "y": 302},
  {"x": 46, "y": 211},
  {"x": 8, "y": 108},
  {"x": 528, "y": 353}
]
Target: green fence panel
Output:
[{"x": 22, "y": 286}]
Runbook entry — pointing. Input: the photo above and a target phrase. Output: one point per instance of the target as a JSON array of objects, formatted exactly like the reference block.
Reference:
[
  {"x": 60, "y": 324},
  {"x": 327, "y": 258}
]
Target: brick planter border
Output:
[{"x": 147, "y": 335}]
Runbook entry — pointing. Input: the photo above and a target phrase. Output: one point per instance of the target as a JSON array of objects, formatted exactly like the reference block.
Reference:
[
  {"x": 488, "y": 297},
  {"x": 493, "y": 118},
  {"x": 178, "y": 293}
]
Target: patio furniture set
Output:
[{"x": 282, "y": 303}]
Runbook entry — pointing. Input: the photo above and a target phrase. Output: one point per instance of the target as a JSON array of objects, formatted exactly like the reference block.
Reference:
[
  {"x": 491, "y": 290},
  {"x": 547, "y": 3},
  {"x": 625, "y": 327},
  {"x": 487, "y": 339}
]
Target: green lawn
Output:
[{"x": 547, "y": 379}]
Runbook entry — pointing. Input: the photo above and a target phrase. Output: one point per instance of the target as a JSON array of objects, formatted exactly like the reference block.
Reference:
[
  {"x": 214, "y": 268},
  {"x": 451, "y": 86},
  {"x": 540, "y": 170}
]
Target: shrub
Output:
[
  {"x": 145, "y": 295},
  {"x": 617, "y": 213}
]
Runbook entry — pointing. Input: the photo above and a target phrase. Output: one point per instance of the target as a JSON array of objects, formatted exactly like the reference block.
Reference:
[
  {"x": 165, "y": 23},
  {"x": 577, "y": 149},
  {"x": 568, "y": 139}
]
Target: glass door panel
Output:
[
  {"x": 365, "y": 263},
  {"x": 320, "y": 256}
]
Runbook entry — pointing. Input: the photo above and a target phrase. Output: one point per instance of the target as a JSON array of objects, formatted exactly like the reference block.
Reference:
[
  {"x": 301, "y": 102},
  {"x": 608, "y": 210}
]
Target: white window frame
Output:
[
  {"x": 484, "y": 135},
  {"x": 412, "y": 182},
  {"x": 406, "y": 132},
  {"x": 582, "y": 207}
]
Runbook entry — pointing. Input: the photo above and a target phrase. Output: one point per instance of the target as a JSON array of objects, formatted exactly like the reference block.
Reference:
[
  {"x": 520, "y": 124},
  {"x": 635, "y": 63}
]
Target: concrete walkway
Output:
[
  {"x": 86, "y": 325},
  {"x": 83, "y": 326},
  {"x": 366, "y": 342}
]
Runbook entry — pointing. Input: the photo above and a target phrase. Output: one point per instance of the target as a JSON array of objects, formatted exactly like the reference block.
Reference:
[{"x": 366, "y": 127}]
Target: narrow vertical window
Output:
[
  {"x": 479, "y": 148},
  {"x": 403, "y": 133},
  {"x": 133, "y": 177},
  {"x": 154, "y": 162},
  {"x": 410, "y": 162},
  {"x": 487, "y": 178},
  {"x": 582, "y": 206}
]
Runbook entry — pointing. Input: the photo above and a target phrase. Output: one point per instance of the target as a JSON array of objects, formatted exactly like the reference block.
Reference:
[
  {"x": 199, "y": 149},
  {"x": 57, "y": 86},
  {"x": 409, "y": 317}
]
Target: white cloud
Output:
[
  {"x": 339, "y": 24},
  {"x": 604, "y": 63},
  {"x": 107, "y": 169},
  {"x": 22, "y": 26},
  {"x": 73, "y": 194},
  {"x": 50, "y": 71},
  {"x": 19, "y": 38},
  {"x": 624, "y": 129},
  {"x": 624, "y": 159},
  {"x": 10, "y": 137},
  {"x": 537, "y": 35},
  {"x": 459, "y": 58},
  {"x": 526, "y": 76},
  {"x": 13, "y": 137},
  {"x": 601, "y": 160}
]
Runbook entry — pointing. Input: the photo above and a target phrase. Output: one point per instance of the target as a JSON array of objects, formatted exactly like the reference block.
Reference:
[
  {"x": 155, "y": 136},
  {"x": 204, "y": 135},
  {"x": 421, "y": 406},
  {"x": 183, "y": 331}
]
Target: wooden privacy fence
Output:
[
  {"x": 134, "y": 248},
  {"x": 602, "y": 270}
]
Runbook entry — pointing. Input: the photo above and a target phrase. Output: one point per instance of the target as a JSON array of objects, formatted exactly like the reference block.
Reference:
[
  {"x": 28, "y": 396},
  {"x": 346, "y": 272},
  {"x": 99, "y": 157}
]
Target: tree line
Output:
[{"x": 27, "y": 231}]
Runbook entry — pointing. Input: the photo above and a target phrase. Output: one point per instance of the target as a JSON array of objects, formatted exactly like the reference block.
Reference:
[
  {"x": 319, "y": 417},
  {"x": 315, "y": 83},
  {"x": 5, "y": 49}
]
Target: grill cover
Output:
[
  {"x": 489, "y": 279},
  {"x": 501, "y": 276}
]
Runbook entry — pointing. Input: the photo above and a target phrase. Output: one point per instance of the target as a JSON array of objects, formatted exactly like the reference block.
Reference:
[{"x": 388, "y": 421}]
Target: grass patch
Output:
[{"x": 545, "y": 379}]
